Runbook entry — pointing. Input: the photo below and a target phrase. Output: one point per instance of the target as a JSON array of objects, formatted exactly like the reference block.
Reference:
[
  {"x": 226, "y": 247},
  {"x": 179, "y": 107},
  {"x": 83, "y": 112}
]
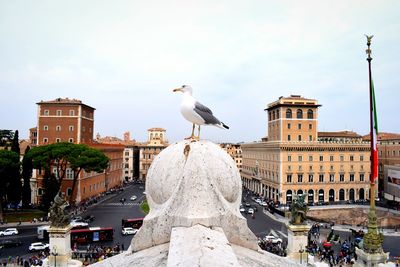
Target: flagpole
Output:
[{"x": 372, "y": 239}]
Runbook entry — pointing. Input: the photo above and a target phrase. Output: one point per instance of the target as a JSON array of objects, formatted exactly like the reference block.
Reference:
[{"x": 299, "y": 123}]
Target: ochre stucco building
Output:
[{"x": 293, "y": 159}]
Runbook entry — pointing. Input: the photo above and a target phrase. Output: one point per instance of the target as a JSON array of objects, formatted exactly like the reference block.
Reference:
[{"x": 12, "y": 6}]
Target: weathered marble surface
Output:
[{"x": 193, "y": 183}]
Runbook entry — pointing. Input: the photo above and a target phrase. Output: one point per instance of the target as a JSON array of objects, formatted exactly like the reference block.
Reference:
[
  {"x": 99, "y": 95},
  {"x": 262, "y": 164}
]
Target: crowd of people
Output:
[
  {"x": 35, "y": 260},
  {"x": 94, "y": 253}
]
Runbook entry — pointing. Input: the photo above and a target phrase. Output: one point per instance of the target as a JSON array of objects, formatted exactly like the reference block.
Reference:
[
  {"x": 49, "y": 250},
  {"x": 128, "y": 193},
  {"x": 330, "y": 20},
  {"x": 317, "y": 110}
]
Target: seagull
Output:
[{"x": 196, "y": 113}]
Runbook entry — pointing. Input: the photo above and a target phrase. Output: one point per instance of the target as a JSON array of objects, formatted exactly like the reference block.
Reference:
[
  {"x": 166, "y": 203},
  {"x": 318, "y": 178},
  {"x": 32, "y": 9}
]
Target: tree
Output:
[
  {"x": 9, "y": 161},
  {"x": 27, "y": 167},
  {"x": 14, "y": 189},
  {"x": 88, "y": 159},
  {"x": 60, "y": 156},
  {"x": 5, "y": 137}
]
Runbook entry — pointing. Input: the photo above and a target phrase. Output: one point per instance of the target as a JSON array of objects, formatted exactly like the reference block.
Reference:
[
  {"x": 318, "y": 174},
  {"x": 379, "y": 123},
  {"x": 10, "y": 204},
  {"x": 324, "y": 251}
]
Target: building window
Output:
[
  {"x": 83, "y": 129},
  {"x": 126, "y": 153},
  {"x": 299, "y": 126},
  {"x": 341, "y": 158},
  {"x": 59, "y": 112},
  {"x": 361, "y": 177},
  {"x": 71, "y": 128},
  {"x": 299, "y": 114},
  {"x": 310, "y": 114},
  {"x": 58, "y": 128},
  {"x": 321, "y": 168},
  {"x": 288, "y": 113},
  {"x": 341, "y": 177},
  {"x": 331, "y": 168},
  {"x": 361, "y": 157},
  {"x": 46, "y": 112},
  {"x": 71, "y": 140},
  {"x": 310, "y": 126},
  {"x": 71, "y": 112},
  {"x": 330, "y": 158},
  {"x": 299, "y": 138},
  {"x": 300, "y": 178},
  {"x": 310, "y": 178},
  {"x": 45, "y": 128},
  {"x": 288, "y": 137},
  {"x": 300, "y": 158},
  {"x": 288, "y": 125},
  {"x": 310, "y": 168},
  {"x": 321, "y": 158},
  {"x": 300, "y": 168},
  {"x": 289, "y": 178},
  {"x": 40, "y": 191},
  {"x": 321, "y": 178},
  {"x": 310, "y": 138},
  {"x": 351, "y": 158},
  {"x": 310, "y": 158},
  {"x": 58, "y": 140},
  {"x": 45, "y": 140},
  {"x": 289, "y": 158},
  {"x": 331, "y": 178},
  {"x": 351, "y": 177}
]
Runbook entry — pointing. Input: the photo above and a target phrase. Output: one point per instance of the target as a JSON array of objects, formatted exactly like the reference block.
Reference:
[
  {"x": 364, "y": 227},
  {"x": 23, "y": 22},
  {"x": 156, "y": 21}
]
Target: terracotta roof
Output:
[
  {"x": 346, "y": 134},
  {"x": 114, "y": 140},
  {"x": 64, "y": 101},
  {"x": 383, "y": 136},
  {"x": 156, "y": 129}
]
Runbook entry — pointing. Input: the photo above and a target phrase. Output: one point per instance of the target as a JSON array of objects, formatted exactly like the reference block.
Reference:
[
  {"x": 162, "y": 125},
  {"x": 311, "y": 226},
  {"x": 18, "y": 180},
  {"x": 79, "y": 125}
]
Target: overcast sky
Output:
[{"x": 125, "y": 57}]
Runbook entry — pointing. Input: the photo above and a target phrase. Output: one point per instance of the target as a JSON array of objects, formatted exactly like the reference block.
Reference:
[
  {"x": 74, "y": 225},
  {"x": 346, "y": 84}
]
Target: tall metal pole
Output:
[{"x": 372, "y": 239}]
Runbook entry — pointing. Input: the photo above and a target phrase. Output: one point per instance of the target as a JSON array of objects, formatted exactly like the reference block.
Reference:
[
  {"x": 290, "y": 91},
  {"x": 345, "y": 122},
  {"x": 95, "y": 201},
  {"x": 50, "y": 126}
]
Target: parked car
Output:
[
  {"x": 38, "y": 246},
  {"x": 9, "y": 231},
  {"x": 242, "y": 209},
  {"x": 10, "y": 243},
  {"x": 272, "y": 239},
  {"x": 133, "y": 198},
  {"x": 129, "y": 231},
  {"x": 250, "y": 211}
]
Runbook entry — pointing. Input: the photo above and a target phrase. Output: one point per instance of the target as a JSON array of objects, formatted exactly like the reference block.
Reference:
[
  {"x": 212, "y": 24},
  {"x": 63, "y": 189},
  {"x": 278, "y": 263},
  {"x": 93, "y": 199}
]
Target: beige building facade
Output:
[
  {"x": 294, "y": 160},
  {"x": 235, "y": 151},
  {"x": 156, "y": 142}
]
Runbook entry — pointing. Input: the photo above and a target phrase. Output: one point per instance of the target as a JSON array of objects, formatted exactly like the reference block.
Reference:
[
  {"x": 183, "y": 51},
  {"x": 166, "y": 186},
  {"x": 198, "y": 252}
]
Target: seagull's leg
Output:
[
  {"x": 192, "y": 136},
  {"x": 198, "y": 133}
]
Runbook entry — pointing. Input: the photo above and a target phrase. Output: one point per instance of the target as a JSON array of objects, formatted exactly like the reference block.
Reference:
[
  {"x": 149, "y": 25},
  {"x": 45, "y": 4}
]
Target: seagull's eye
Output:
[{"x": 183, "y": 86}]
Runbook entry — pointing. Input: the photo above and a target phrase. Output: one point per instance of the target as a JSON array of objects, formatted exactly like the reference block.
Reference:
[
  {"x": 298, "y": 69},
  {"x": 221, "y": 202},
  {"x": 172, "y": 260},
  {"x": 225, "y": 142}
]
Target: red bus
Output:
[
  {"x": 134, "y": 223},
  {"x": 92, "y": 234}
]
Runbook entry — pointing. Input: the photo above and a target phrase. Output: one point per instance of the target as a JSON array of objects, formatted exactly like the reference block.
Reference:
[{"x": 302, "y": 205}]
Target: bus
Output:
[
  {"x": 43, "y": 232},
  {"x": 134, "y": 223},
  {"x": 92, "y": 234}
]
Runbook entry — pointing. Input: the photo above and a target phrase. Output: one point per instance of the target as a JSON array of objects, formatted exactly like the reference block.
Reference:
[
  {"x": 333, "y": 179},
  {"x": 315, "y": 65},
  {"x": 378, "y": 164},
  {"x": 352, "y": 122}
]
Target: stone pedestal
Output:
[
  {"x": 365, "y": 259},
  {"x": 297, "y": 242},
  {"x": 60, "y": 247}
]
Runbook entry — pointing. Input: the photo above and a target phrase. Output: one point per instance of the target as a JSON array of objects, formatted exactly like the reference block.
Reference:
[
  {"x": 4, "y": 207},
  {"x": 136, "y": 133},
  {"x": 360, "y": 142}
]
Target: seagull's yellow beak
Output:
[{"x": 177, "y": 90}]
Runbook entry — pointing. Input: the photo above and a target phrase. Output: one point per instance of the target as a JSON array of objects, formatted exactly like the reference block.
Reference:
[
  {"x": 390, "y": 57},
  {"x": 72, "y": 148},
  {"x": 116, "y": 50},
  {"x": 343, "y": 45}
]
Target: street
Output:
[{"x": 109, "y": 212}]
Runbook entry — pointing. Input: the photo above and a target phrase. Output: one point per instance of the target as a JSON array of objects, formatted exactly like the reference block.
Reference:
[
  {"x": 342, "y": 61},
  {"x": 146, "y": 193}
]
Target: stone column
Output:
[
  {"x": 60, "y": 247},
  {"x": 297, "y": 242}
]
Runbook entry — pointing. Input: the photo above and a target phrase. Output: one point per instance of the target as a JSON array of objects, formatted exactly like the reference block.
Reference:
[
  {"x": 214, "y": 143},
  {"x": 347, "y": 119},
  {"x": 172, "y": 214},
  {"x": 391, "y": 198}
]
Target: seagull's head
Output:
[{"x": 184, "y": 89}]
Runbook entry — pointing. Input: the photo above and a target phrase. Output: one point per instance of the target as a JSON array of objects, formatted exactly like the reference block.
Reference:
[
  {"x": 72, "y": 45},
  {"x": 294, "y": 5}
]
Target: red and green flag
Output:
[{"x": 374, "y": 135}]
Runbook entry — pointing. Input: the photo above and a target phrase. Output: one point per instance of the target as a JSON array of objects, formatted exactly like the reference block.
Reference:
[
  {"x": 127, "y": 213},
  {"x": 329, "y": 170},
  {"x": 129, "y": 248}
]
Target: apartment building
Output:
[{"x": 293, "y": 160}]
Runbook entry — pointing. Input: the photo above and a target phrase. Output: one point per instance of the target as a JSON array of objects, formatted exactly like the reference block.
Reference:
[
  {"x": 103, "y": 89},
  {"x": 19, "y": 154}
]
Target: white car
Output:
[
  {"x": 38, "y": 246},
  {"x": 250, "y": 211},
  {"x": 273, "y": 239},
  {"x": 9, "y": 231},
  {"x": 129, "y": 231},
  {"x": 242, "y": 209},
  {"x": 133, "y": 198}
]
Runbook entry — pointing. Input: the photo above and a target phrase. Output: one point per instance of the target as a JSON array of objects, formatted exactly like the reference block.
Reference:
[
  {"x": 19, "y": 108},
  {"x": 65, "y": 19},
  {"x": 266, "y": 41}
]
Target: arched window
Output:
[
  {"x": 289, "y": 196},
  {"x": 341, "y": 194},
  {"x": 300, "y": 192},
  {"x": 299, "y": 114},
  {"x": 310, "y": 114},
  {"x": 321, "y": 196},
  {"x": 331, "y": 195},
  {"x": 362, "y": 194},
  {"x": 310, "y": 196},
  {"x": 351, "y": 194},
  {"x": 288, "y": 113}
]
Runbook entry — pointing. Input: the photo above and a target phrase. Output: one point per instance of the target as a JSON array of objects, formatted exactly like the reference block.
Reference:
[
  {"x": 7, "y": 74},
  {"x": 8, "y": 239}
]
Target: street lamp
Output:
[
  {"x": 55, "y": 254},
  {"x": 301, "y": 253}
]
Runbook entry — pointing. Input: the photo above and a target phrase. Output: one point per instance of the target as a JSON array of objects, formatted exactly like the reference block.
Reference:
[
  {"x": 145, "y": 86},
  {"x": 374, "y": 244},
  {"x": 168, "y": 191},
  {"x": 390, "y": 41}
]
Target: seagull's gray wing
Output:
[{"x": 205, "y": 113}]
